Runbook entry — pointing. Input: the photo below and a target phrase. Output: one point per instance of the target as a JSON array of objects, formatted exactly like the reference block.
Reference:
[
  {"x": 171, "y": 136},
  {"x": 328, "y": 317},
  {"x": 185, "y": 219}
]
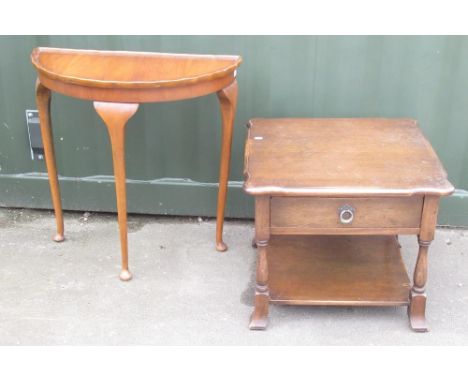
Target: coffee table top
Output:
[
  {"x": 113, "y": 69},
  {"x": 341, "y": 157}
]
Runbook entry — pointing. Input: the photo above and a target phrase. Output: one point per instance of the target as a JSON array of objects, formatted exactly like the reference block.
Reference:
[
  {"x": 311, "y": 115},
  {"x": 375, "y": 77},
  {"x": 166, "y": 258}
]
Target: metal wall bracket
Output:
[{"x": 34, "y": 132}]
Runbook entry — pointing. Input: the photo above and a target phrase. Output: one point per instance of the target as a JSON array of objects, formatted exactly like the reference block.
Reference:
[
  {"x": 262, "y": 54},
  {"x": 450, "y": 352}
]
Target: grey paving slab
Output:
[{"x": 186, "y": 293}]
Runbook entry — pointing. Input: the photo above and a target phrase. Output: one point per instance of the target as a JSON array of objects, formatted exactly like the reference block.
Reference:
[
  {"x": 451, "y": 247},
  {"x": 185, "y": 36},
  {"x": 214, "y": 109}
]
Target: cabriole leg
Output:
[
  {"x": 115, "y": 116},
  {"x": 43, "y": 97},
  {"x": 228, "y": 101}
]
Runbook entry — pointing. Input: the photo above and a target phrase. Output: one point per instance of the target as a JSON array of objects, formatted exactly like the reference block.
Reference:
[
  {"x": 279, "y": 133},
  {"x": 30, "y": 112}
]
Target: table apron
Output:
[
  {"x": 343, "y": 231},
  {"x": 138, "y": 95},
  {"x": 346, "y": 216}
]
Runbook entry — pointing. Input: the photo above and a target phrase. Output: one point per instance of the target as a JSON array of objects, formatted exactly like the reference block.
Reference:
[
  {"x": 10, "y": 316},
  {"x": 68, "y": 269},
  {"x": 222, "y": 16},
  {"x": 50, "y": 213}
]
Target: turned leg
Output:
[
  {"x": 228, "y": 101},
  {"x": 259, "y": 318},
  {"x": 43, "y": 105},
  {"x": 115, "y": 116},
  {"x": 417, "y": 307}
]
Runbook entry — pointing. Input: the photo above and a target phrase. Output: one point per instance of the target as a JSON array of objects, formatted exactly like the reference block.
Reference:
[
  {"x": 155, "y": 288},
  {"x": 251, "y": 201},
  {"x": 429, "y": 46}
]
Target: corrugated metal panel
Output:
[{"x": 173, "y": 148}]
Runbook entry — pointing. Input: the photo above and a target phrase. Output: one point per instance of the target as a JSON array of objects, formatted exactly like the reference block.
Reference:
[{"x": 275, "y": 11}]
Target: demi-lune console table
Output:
[
  {"x": 331, "y": 198},
  {"x": 117, "y": 82}
]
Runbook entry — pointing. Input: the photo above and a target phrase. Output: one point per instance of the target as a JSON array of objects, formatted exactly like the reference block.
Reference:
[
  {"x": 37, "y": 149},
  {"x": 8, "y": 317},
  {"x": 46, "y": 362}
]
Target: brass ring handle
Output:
[{"x": 346, "y": 213}]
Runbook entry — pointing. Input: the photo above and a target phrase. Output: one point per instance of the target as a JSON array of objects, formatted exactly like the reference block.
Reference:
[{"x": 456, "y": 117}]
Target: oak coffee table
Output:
[{"x": 331, "y": 198}]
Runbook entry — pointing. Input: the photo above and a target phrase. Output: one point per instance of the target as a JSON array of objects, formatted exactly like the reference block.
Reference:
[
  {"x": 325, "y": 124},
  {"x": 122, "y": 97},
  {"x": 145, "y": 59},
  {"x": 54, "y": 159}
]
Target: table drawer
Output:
[{"x": 310, "y": 213}]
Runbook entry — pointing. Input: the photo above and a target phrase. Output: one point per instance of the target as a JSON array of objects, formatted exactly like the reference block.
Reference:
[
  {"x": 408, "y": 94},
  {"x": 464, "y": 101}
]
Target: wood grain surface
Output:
[
  {"x": 341, "y": 157},
  {"x": 337, "y": 270}
]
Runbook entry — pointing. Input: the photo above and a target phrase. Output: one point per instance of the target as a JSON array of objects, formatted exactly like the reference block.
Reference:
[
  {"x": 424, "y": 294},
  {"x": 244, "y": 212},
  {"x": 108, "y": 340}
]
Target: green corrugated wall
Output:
[{"x": 173, "y": 148}]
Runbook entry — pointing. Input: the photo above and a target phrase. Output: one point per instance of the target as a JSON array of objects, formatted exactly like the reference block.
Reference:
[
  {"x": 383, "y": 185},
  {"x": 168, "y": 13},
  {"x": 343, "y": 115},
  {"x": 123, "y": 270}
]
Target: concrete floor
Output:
[{"x": 186, "y": 293}]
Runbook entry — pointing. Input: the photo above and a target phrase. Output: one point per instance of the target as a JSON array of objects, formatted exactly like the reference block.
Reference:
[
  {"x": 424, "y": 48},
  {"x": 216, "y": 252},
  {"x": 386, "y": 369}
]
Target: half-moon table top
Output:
[
  {"x": 130, "y": 69},
  {"x": 73, "y": 71}
]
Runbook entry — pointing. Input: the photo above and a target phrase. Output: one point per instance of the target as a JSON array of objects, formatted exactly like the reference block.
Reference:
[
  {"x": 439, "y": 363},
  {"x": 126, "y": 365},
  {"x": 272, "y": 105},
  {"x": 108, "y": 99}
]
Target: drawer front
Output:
[{"x": 310, "y": 213}]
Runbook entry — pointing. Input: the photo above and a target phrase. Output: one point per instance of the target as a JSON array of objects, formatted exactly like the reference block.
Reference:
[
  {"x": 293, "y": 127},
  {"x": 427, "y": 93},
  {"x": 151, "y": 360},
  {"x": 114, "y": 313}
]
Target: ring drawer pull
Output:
[{"x": 346, "y": 214}]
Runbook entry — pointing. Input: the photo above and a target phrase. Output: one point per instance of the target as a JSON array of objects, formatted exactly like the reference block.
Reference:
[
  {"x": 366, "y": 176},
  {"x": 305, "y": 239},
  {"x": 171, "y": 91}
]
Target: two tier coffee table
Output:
[
  {"x": 331, "y": 198},
  {"x": 118, "y": 82}
]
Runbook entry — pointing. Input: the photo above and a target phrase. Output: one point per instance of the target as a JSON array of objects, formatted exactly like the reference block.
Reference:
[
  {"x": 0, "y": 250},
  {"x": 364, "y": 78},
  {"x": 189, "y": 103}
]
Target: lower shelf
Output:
[{"x": 337, "y": 270}]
